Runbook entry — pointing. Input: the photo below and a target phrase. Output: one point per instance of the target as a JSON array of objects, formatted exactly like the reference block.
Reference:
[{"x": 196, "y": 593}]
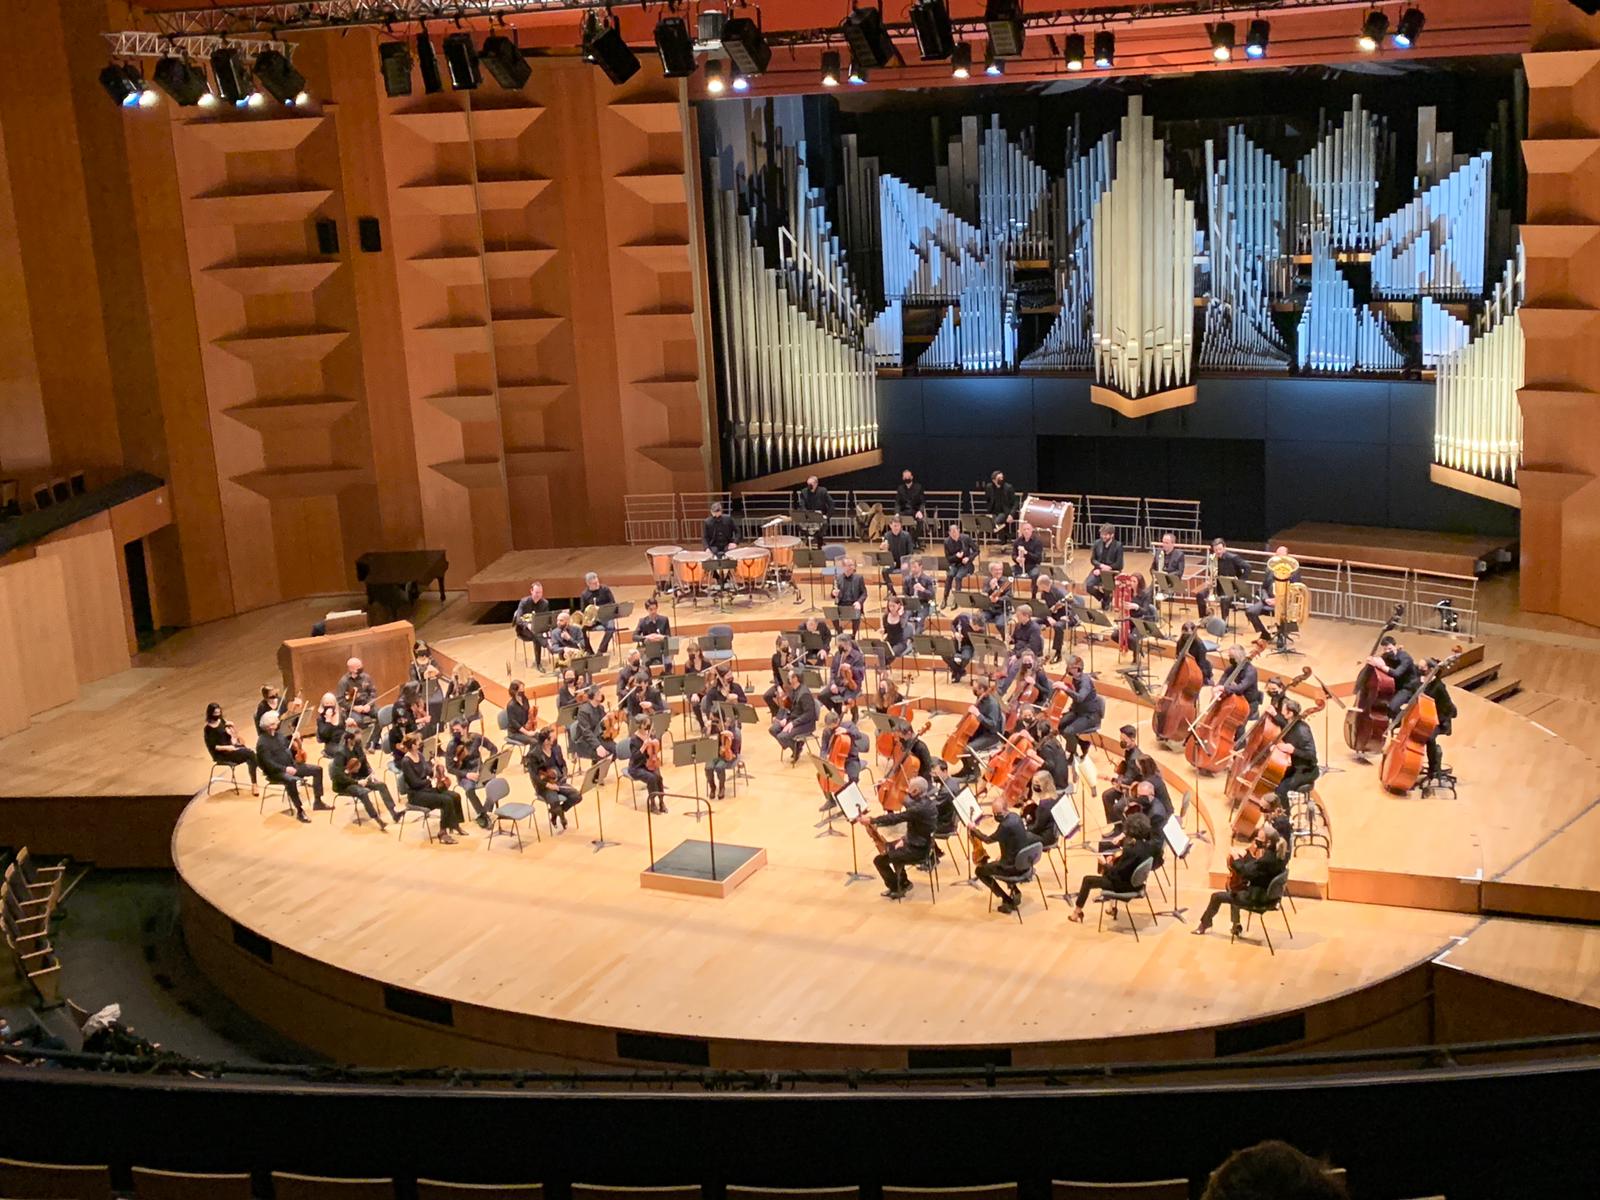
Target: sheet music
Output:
[
  {"x": 1066, "y": 817},
  {"x": 967, "y": 806},
  {"x": 1177, "y": 836},
  {"x": 851, "y": 801}
]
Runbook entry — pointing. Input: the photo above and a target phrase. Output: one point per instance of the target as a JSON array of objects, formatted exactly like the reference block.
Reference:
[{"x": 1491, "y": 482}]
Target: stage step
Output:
[
  {"x": 1503, "y": 689},
  {"x": 1476, "y": 676}
]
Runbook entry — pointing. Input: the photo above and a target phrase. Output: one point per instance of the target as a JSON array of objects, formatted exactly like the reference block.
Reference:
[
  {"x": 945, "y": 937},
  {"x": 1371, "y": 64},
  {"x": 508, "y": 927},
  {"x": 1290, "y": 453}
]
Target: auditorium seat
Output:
[
  {"x": 151, "y": 1184},
  {"x": 982, "y": 1191},
  {"x": 49, "y": 1181},
  {"x": 287, "y": 1186},
  {"x": 1149, "y": 1189},
  {"x": 601, "y": 1191},
  {"x": 436, "y": 1189},
  {"x": 739, "y": 1192}
]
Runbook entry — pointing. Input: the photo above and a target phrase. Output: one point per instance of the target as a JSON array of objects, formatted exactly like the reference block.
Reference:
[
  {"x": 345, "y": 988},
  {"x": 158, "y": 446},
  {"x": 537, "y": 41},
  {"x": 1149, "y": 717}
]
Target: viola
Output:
[
  {"x": 652, "y": 754},
  {"x": 725, "y": 750},
  {"x": 1213, "y": 737},
  {"x": 1179, "y": 704},
  {"x": 1407, "y": 751},
  {"x": 1367, "y": 720},
  {"x": 847, "y": 678}
]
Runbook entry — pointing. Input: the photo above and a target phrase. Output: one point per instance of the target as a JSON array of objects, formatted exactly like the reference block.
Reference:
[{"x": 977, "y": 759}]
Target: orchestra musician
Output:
[
  {"x": 1027, "y": 553},
  {"x": 272, "y": 700},
  {"x": 834, "y": 724},
  {"x": 1242, "y": 679},
  {"x": 815, "y": 656},
  {"x": 783, "y": 657},
  {"x": 1052, "y": 751},
  {"x": 896, "y": 627},
  {"x": 1105, "y": 564},
  {"x": 633, "y": 675},
  {"x": 426, "y": 787},
  {"x": 223, "y": 745},
  {"x": 567, "y": 693},
  {"x": 909, "y": 502},
  {"x": 1197, "y": 651},
  {"x": 960, "y": 561},
  {"x": 850, "y": 592},
  {"x": 351, "y": 775},
  {"x": 718, "y": 536},
  {"x": 997, "y": 590},
  {"x": 1115, "y": 797},
  {"x": 1000, "y": 498},
  {"x": 587, "y": 737},
  {"x": 596, "y": 594},
  {"x": 1394, "y": 661},
  {"x": 410, "y": 716},
  {"x": 425, "y": 673},
  {"x": 917, "y": 586},
  {"x": 646, "y": 748},
  {"x": 791, "y": 728},
  {"x": 909, "y": 744},
  {"x": 1021, "y": 668},
  {"x": 522, "y": 620},
  {"x": 695, "y": 666},
  {"x": 1026, "y": 635},
  {"x": 991, "y": 720},
  {"x": 1055, "y": 605},
  {"x": 648, "y": 697},
  {"x": 278, "y": 763},
  {"x": 1168, "y": 559},
  {"x": 899, "y": 545},
  {"x": 1013, "y": 837},
  {"x": 1138, "y": 845},
  {"x": 357, "y": 692},
  {"x": 1086, "y": 709},
  {"x": 920, "y": 815},
  {"x": 1264, "y": 602},
  {"x": 841, "y": 691},
  {"x": 730, "y": 744},
  {"x": 466, "y": 756},
  {"x": 722, "y": 688},
  {"x": 1263, "y": 862},
  {"x": 330, "y": 720},
  {"x": 565, "y": 639},
  {"x": 547, "y": 768},
  {"x": 815, "y": 498},
  {"x": 1228, "y": 566},
  {"x": 1141, "y": 608},
  {"x": 654, "y": 630},
  {"x": 1302, "y": 744},
  {"x": 1445, "y": 708},
  {"x": 943, "y": 789},
  {"x": 961, "y": 630},
  {"x": 521, "y": 724}
]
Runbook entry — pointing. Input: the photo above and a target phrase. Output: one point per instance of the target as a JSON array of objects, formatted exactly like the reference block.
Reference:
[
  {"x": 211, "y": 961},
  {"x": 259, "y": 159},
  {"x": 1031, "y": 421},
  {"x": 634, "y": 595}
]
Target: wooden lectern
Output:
[{"x": 311, "y": 666}]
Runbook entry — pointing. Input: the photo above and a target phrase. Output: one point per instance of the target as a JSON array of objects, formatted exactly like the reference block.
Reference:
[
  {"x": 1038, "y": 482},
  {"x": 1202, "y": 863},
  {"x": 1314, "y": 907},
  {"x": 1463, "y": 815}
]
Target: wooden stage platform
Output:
[{"x": 1442, "y": 553}]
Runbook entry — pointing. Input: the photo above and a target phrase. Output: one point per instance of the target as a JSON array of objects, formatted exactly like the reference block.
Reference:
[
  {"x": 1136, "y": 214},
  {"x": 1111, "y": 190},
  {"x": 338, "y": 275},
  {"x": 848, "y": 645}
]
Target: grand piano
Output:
[{"x": 395, "y": 578}]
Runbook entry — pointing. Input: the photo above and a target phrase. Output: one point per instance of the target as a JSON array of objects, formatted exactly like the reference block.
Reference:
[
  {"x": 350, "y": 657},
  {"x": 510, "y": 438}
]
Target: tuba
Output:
[{"x": 1291, "y": 601}]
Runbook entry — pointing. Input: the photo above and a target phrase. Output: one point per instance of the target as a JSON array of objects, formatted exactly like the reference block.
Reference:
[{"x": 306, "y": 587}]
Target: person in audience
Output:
[
  {"x": 1273, "y": 1171},
  {"x": 223, "y": 744}
]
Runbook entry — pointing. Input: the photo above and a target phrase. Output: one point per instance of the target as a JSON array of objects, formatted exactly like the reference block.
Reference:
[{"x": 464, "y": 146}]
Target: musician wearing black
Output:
[
  {"x": 839, "y": 693},
  {"x": 899, "y": 545},
  {"x": 1026, "y": 635},
  {"x": 1264, "y": 603},
  {"x": 730, "y": 740},
  {"x": 409, "y": 717},
  {"x": 1027, "y": 552},
  {"x": 834, "y": 724},
  {"x": 961, "y": 630},
  {"x": 1302, "y": 772},
  {"x": 420, "y": 785},
  {"x": 278, "y": 763},
  {"x": 997, "y": 590},
  {"x": 519, "y": 715},
  {"x": 633, "y": 675},
  {"x": 1143, "y": 608},
  {"x": 919, "y": 589},
  {"x": 815, "y": 498},
  {"x": 917, "y": 750},
  {"x": 1048, "y": 746},
  {"x": 1086, "y": 709},
  {"x": 1168, "y": 559},
  {"x": 896, "y": 628},
  {"x": 654, "y": 630},
  {"x": 1116, "y": 873},
  {"x": 640, "y": 770},
  {"x": 722, "y": 688},
  {"x": 1013, "y": 838},
  {"x": 548, "y": 770},
  {"x": 586, "y": 736},
  {"x": 272, "y": 700},
  {"x": 783, "y": 656},
  {"x": 430, "y": 681},
  {"x": 791, "y": 727},
  {"x": 1000, "y": 498},
  {"x": 223, "y": 744},
  {"x": 960, "y": 561},
  {"x": 1242, "y": 679},
  {"x": 850, "y": 593},
  {"x": 597, "y": 594},
  {"x": 1190, "y": 636},
  {"x": 920, "y": 815},
  {"x": 1256, "y": 869},
  {"x": 718, "y": 532},
  {"x": 1393, "y": 660},
  {"x": 522, "y": 620},
  {"x": 1445, "y": 708},
  {"x": 567, "y": 693},
  {"x": 1055, "y": 610},
  {"x": 357, "y": 693},
  {"x": 466, "y": 755},
  {"x": 942, "y": 789},
  {"x": 1105, "y": 563},
  {"x": 330, "y": 721},
  {"x": 648, "y": 698},
  {"x": 909, "y": 502},
  {"x": 351, "y": 775},
  {"x": 1115, "y": 797},
  {"x": 565, "y": 639},
  {"x": 1228, "y": 566},
  {"x": 814, "y": 656},
  {"x": 991, "y": 720}
]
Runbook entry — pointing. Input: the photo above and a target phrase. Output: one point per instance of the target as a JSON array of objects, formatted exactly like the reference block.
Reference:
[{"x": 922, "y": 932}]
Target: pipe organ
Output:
[
  {"x": 1144, "y": 233},
  {"x": 1335, "y": 333},
  {"x": 1477, "y": 415},
  {"x": 1434, "y": 246},
  {"x": 1069, "y": 343},
  {"x": 1442, "y": 332},
  {"x": 1250, "y": 265},
  {"x": 1335, "y": 189}
]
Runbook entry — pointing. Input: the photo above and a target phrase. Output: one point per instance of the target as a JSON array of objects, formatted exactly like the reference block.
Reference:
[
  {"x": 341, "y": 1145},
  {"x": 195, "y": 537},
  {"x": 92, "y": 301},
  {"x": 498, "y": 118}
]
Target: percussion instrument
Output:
[
  {"x": 691, "y": 567},
  {"x": 1051, "y": 518},
  {"x": 750, "y": 564},
  {"x": 661, "y": 564},
  {"x": 781, "y": 547}
]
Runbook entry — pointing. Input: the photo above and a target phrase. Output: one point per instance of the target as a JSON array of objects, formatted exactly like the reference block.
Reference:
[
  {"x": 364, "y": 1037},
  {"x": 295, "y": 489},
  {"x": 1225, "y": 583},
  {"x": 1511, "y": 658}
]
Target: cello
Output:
[
  {"x": 955, "y": 746},
  {"x": 838, "y": 756},
  {"x": 1263, "y": 734},
  {"x": 895, "y": 705},
  {"x": 896, "y": 781},
  {"x": 1367, "y": 720},
  {"x": 1267, "y": 778},
  {"x": 1407, "y": 750},
  {"x": 1007, "y": 759},
  {"x": 1177, "y": 709},
  {"x": 1212, "y": 738}
]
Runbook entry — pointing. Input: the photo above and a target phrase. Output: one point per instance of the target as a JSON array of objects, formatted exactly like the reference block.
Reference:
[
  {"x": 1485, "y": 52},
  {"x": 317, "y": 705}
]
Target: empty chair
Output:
[
  {"x": 601, "y": 1191},
  {"x": 151, "y": 1184},
  {"x": 50, "y": 1181},
  {"x": 436, "y": 1189},
  {"x": 1149, "y": 1189},
  {"x": 287, "y": 1186}
]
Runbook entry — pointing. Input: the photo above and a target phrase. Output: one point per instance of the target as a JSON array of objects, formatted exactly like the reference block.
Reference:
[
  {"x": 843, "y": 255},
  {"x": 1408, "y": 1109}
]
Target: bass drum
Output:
[{"x": 1052, "y": 518}]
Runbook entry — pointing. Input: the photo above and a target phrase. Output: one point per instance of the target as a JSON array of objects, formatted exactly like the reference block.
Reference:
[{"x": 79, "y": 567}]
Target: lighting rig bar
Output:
[{"x": 133, "y": 43}]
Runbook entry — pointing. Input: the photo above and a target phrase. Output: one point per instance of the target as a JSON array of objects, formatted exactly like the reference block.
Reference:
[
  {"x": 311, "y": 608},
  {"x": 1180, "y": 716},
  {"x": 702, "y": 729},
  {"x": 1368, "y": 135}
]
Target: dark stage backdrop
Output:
[{"x": 1348, "y": 451}]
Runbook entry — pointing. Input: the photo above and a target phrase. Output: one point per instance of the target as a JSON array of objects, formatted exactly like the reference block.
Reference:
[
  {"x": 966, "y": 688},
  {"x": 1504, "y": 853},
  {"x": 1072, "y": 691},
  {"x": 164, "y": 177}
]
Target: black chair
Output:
[
  {"x": 1024, "y": 870},
  {"x": 1272, "y": 901},
  {"x": 1137, "y": 889}
]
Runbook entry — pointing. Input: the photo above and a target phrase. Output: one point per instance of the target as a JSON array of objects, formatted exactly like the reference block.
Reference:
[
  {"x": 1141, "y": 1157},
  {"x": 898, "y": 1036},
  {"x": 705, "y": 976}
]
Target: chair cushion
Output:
[{"x": 515, "y": 812}]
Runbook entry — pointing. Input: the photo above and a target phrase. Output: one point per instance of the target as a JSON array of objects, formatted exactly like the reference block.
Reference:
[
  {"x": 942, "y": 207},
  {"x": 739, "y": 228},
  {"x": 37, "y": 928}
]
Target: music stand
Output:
[
  {"x": 837, "y": 779},
  {"x": 678, "y": 687},
  {"x": 453, "y": 709},
  {"x": 1136, "y": 681},
  {"x": 1177, "y": 839},
  {"x": 739, "y": 714},
  {"x": 808, "y": 520},
  {"x": 658, "y": 649},
  {"x": 836, "y": 615},
  {"x": 498, "y": 760},
  {"x": 815, "y": 560},
  {"x": 1327, "y": 713},
  {"x": 984, "y": 646},
  {"x": 980, "y": 525},
  {"x": 876, "y": 651},
  {"x": 882, "y": 559},
  {"x": 585, "y": 665},
  {"x": 940, "y": 646},
  {"x": 696, "y": 753},
  {"x": 1168, "y": 585},
  {"x": 566, "y": 713},
  {"x": 1097, "y": 620},
  {"x": 853, "y": 805},
  {"x": 1232, "y": 589},
  {"x": 539, "y": 624},
  {"x": 590, "y": 782}
]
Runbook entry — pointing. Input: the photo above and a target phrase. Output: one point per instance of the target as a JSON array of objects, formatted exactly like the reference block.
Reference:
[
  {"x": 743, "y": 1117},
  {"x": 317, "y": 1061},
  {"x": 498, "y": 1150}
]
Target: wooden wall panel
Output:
[
  {"x": 94, "y": 609},
  {"x": 27, "y": 440},
  {"x": 33, "y": 599},
  {"x": 14, "y": 713}
]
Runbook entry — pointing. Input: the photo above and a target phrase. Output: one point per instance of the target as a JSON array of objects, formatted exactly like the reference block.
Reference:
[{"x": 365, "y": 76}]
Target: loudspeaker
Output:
[
  {"x": 369, "y": 235},
  {"x": 327, "y": 237}
]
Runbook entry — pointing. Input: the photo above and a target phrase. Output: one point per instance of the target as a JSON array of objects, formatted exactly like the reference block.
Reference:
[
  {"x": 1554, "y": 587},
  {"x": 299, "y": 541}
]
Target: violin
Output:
[
  {"x": 847, "y": 678},
  {"x": 463, "y": 752},
  {"x": 652, "y": 754},
  {"x": 897, "y": 780},
  {"x": 1178, "y": 707},
  {"x": 441, "y": 776},
  {"x": 1211, "y": 740},
  {"x": 1407, "y": 750},
  {"x": 725, "y": 750},
  {"x": 1367, "y": 720}
]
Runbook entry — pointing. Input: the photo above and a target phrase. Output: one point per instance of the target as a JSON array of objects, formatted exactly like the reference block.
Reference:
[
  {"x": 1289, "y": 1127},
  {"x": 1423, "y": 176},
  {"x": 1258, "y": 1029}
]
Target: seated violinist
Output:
[
  {"x": 522, "y": 713},
  {"x": 468, "y": 754},
  {"x": 547, "y": 768},
  {"x": 654, "y": 631},
  {"x": 798, "y": 721},
  {"x": 644, "y": 766},
  {"x": 961, "y": 631},
  {"x": 782, "y": 656},
  {"x": 1263, "y": 862},
  {"x": 1116, "y": 872},
  {"x": 847, "y": 676},
  {"x": 587, "y": 737},
  {"x": 1086, "y": 709},
  {"x": 896, "y": 628},
  {"x": 730, "y": 744}
]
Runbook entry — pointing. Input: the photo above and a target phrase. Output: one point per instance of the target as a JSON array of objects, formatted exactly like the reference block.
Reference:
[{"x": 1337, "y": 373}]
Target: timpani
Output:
[
  {"x": 690, "y": 567},
  {"x": 661, "y": 565}
]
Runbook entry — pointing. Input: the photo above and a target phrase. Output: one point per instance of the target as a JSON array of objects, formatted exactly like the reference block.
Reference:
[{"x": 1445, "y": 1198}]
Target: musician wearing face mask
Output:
[
  {"x": 223, "y": 744},
  {"x": 467, "y": 755},
  {"x": 815, "y": 498},
  {"x": 1190, "y": 637},
  {"x": 1302, "y": 744},
  {"x": 547, "y": 769},
  {"x": 920, "y": 816},
  {"x": 1086, "y": 709},
  {"x": 961, "y": 631},
  {"x": 792, "y": 726},
  {"x": 1115, "y": 797},
  {"x": 834, "y": 724},
  {"x": 847, "y": 676},
  {"x": 1242, "y": 679},
  {"x": 899, "y": 545},
  {"x": 277, "y": 760},
  {"x": 587, "y": 737},
  {"x": 909, "y": 502},
  {"x": 641, "y": 770},
  {"x": 426, "y": 786},
  {"x": 991, "y": 720},
  {"x": 1445, "y": 708},
  {"x": 357, "y": 692},
  {"x": 1013, "y": 838},
  {"x": 1393, "y": 661},
  {"x": 960, "y": 561},
  {"x": 1116, "y": 872},
  {"x": 1143, "y": 608},
  {"x": 1000, "y": 498},
  {"x": 1105, "y": 564},
  {"x": 351, "y": 775},
  {"x": 1055, "y": 608},
  {"x": 1265, "y": 860}
]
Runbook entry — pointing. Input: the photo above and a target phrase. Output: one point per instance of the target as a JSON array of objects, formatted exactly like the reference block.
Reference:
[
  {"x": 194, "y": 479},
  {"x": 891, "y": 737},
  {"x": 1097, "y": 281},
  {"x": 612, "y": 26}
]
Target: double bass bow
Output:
[
  {"x": 1367, "y": 719},
  {"x": 1212, "y": 737},
  {"x": 1407, "y": 750},
  {"x": 1178, "y": 709}
]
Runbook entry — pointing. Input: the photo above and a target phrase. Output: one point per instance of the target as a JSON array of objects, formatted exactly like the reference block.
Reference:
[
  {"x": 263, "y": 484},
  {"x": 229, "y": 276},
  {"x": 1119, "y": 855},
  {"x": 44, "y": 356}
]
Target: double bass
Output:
[
  {"x": 1263, "y": 735},
  {"x": 1407, "y": 750},
  {"x": 1177, "y": 709},
  {"x": 1268, "y": 776},
  {"x": 1213, "y": 737},
  {"x": 902, "y": 770},
  {"x": 1367, "y": 720}
]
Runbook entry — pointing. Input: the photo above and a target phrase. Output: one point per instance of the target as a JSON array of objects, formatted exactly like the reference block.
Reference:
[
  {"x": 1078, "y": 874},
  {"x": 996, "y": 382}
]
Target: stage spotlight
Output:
[
  {"x": 1256, "y": 38},
  {"x": 1373, "y": 30},
  {"x": 870, "y": 43},
  {"x": 233, "y": 81},
  {"x": 428, "y": 64},
  {"x": 1105, "y": 49},
  {"x": 181, "y": 81},
  {"x": 715, "y": 84},
  {"x": 741, "y": 82},
  {"x": 745, "y": 44},
  {"x": 461, "y": 57},
  {"x": 830, "y": 68},
  {"x": 604, "y": 47},
  {"x": 394, "y": 60},
  {"x": 991, "y": 64},
  {"x": 122, "y": 83},
  {"x": 277, "y": 75},
  {"x": 961, "y": 61},
  {"x": 256, "y": 99},
  {"x": 1075, "y": 51},
  {"x": 1222, "y": 41},
  {"x": 1409, "y": 29},
  {"x": 505, "y": 61},
  {"x": 858, "y": 73},
  {"x": 675, "y": 48},
  {"x": 935, "y": 38},
  {"x": 1004, "y": 19}
]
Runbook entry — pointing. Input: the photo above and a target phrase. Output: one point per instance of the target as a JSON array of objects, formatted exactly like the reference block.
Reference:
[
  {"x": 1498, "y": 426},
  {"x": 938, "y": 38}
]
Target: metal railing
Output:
[{"x": 650, "y": 520}]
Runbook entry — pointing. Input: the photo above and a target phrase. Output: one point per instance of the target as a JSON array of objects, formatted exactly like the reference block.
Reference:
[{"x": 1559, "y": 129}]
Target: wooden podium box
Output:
[{"x": 311, "y": 666}]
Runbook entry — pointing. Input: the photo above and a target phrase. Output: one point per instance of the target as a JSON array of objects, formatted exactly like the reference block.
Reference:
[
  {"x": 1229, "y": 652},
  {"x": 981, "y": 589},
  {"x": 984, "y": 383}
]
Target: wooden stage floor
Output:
[{"x": 1444, "y": 553}]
